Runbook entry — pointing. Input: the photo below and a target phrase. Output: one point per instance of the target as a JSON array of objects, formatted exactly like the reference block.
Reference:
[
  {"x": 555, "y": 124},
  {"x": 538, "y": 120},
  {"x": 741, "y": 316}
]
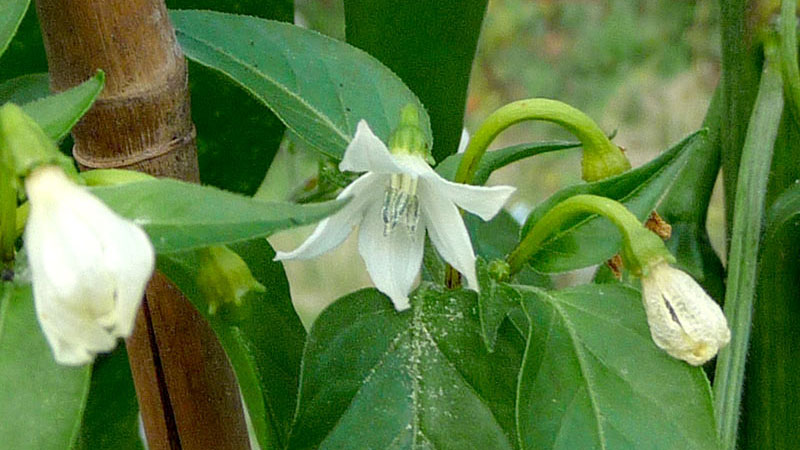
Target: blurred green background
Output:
[{"x": 645, "y": 68}]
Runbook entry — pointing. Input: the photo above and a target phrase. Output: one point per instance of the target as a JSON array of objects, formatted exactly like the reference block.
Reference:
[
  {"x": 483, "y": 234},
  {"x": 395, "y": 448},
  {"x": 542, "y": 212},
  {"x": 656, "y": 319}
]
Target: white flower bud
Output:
[
  {"x": 89, "y": 267},
  {"x": 684, "y": 320}
]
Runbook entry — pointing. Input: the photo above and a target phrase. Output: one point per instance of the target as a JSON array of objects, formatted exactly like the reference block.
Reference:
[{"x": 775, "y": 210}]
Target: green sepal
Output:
[
  {"x": 24, "y": 146},
  {"x": 223, "y": 277}
]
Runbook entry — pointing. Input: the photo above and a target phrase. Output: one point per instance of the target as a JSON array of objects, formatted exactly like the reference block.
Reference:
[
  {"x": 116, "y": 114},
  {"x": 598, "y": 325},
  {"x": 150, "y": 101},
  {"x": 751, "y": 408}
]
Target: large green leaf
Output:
[
  {"x": 263, "y": 337},
  {"x": 237, "y": 137},
  {"x": 182, "y": 216},
  {"x": 771, "y": 397},
  {"x": 430, "y": 45},
  {"x": 375, "y": 378},
  {"x": 25, "y": 88},
  {"x": 111, "y": 418},
  {"x": 11, "y": 14},
  {"x": 41, "y": 402},
  {"x": 319, "y": 87},
  {"x": 589, "y": 239},
  {"x": 58, "y": 113},
  {"x": 592, "y": 378}
]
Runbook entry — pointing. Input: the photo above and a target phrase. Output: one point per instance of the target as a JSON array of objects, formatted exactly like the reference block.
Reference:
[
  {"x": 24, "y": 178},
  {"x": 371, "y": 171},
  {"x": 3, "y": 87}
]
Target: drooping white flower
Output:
[
  {"x": 684, "y": 320},
  {"x": 89, "y": 267},
  {"x": 398, "y": 198}
]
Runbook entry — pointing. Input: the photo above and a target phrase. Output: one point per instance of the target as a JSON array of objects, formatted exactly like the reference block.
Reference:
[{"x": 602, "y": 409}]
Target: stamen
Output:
[
  {"x": 386, "y": 210},
  {"x": 412, "y": 216},
  {"x": 400, "y": 202}
]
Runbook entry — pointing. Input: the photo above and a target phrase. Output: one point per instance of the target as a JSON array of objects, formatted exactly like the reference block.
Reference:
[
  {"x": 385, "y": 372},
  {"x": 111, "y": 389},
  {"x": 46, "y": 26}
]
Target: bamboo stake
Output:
[{"x": 187, "y": 391}]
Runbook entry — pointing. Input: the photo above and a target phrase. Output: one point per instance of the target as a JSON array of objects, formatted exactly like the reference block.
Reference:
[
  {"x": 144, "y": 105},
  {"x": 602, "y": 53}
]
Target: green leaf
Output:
[
  {"x": 589, "y": 239},
  {"x": 41, "y": 402},
  {"x": 593, "y": 378},
  {"x": 237, "y": 137},
  {"x": 319, "y": 87},
  {"x": 375, "y": 378},
  {"x": 495, "y": 301},
  {"x": 497, "y": 159},
  {"x": 430, "y": 45},
  {"x": 111, "y": 418},
  {"x": 58, "y": 113},
  {"x": 263, "y": 338},
  {"x": 771, "y": 398},
  {"x": 183, "y": 216},
  {"x": 25, "y": 88},
  {"x": 11, "y": 14},
  {"x": 25, "y": 54}
]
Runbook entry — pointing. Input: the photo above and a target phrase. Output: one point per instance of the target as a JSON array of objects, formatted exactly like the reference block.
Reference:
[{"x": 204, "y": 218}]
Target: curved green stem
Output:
[
  {"x": 787, "y": 34},
  {"x": 601, "y": 158},
  {"x": 641, "y": 247},
  {"x": 748, "y": 213}
]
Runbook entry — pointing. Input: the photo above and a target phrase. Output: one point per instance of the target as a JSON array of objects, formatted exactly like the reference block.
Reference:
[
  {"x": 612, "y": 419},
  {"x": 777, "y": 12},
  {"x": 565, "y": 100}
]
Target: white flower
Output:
[
  {"x": 684, "y": 320},
  {"x": 401, "y": 189},
  {"x": 89, "y": 267}
]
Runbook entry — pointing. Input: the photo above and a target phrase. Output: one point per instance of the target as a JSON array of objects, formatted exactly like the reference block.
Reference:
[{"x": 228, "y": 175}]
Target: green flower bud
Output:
[
  {"x": 499, "y": 270},
  {"x": 24, "y": 146},
  {"x": 408, "y": 137},
  {"x": 603, "y": 161},
  {"x": 224, "y": 277}
]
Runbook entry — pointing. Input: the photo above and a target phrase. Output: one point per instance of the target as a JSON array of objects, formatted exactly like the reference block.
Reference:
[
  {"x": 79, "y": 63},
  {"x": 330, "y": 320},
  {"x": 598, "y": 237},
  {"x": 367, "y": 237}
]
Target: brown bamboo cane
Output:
[{"x": 187, "y": 391}]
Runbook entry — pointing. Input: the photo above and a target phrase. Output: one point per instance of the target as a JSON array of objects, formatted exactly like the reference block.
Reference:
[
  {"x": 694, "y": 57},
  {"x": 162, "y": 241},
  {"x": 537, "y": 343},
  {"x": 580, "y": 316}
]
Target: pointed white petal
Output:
[
  {"x": 393, "y": 261},
  {"x": 332, "y": 231},
  {"x": 367, "y": 153},
  {"x": 448, "y": 233},
  {"x": 485, "y": 202},
  {"x": 462, "y": 145}
]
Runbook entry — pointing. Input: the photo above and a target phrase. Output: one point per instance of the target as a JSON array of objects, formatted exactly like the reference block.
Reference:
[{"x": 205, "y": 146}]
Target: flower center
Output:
[{"x": 400, "y": 203}]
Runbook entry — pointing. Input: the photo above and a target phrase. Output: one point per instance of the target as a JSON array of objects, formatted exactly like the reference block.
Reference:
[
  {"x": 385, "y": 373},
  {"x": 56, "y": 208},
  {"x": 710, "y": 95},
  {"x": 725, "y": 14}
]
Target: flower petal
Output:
[
  {"x": 393, "y": 261},
  {"x": 684, "y": 321},
  {"x": 448, "y": 233},
  {"x": 132, "y": 260},
  {"x": 74, "y": 337},
  {"x": 367, "y": 153},
  {"x": 333, "y": 230},
  {"x": 485, "y": 202},
  {"x": 464, "y": 142}
]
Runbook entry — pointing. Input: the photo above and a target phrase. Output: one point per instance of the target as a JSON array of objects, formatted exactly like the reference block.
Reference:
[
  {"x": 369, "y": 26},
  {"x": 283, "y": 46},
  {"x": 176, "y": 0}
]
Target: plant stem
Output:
[
  {"x": 746, "y": 229},
  {"x": 740, "y": 72},
  {"x": 8, "y": 216},
  {"x": 602, "y": 158},
  {"x": 186, "y": 389},
  {"x": 642, "y": 246},
  {"x": 788, "y": 54}
]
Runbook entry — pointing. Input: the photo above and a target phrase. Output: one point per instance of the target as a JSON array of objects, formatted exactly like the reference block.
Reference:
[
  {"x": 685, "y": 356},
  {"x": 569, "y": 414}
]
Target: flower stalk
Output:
[
  {"x": 641, "y": 247},
  {"x": 601, "y": 158}
]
